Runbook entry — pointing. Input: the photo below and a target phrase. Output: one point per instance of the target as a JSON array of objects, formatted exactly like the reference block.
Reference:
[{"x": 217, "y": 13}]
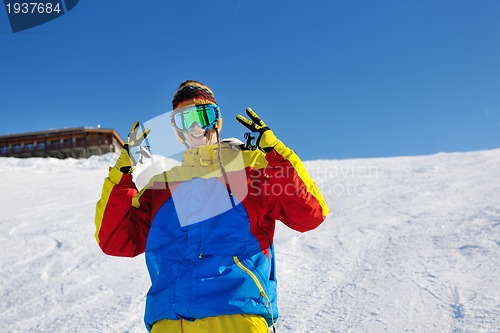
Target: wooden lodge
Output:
[{"x": 80, "y": 142}]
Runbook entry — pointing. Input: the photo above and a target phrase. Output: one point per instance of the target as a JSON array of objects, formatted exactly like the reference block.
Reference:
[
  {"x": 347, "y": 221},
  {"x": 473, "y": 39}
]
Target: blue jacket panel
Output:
[{"x": 208, "y": 267}]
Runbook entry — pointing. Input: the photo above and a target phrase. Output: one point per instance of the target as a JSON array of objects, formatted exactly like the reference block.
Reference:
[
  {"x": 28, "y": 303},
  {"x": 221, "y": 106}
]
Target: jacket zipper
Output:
[{"x": 259, "y": 286}]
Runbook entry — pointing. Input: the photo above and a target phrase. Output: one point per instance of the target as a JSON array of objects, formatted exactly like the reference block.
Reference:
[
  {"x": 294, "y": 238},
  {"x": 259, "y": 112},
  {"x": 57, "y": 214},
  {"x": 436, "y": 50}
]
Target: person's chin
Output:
[{"x": 197, "y": 140}]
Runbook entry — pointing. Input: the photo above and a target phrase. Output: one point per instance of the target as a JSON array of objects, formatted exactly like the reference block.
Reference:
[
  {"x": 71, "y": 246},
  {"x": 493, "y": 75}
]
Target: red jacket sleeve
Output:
[
  {"x": 293, "y": 198},
  {"x": 122, "y": 217}
]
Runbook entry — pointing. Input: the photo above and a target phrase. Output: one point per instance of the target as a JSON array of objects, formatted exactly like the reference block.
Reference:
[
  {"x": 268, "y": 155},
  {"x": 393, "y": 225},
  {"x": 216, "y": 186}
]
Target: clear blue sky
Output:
[{"x": 333, "y": 79}]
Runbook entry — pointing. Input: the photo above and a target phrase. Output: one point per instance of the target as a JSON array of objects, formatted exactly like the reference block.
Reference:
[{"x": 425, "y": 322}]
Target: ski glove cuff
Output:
[
  {"x": 266, "y": 140},
  {"x": 126, "y": 162}
]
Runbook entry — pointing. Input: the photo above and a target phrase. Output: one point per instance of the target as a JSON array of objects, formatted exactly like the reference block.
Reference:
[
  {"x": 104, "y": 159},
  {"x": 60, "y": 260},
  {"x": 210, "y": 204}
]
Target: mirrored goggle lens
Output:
[{"x": 204, "y": 115}]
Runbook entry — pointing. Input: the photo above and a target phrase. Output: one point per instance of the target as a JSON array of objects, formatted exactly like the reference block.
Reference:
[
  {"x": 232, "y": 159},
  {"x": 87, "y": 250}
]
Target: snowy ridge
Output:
[{"x": 412, "y": 245}]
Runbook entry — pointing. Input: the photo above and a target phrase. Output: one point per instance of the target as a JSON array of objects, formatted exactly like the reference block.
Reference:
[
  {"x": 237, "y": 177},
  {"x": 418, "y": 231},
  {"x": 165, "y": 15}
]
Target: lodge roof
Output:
[
  {"x": 76, "y": 142},
  {"x": 69, "y": 130}
]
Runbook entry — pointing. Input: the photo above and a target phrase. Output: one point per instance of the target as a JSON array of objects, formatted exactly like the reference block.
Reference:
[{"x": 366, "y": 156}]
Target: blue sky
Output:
[{"x": 333, "y": 79}]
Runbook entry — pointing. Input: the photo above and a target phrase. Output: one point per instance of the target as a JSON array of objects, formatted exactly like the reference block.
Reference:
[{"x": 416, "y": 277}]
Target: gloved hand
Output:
[
  {"x": 266, "y": 140},
  {"x": 127, "y": 161}
]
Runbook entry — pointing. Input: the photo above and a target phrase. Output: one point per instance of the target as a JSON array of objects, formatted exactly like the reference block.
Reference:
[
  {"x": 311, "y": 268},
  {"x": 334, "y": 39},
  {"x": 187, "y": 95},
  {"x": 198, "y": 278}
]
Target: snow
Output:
[{"x": 412, "y": 244}]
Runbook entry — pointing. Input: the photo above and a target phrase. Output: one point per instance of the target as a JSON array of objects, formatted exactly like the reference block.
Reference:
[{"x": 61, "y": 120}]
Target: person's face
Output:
[{"x": 197, "y": 137}]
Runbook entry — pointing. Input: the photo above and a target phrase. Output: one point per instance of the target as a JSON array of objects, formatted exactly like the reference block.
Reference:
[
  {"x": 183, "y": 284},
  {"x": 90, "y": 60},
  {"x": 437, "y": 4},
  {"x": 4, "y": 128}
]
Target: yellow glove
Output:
[
  {"x": 266, "y": 140},
  {"x": 127, "y": 161}
]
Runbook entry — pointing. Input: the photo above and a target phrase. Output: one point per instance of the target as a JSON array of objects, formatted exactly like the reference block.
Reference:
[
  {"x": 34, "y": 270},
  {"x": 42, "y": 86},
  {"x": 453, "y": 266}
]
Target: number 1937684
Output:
[{"x": 33, "y": 8}]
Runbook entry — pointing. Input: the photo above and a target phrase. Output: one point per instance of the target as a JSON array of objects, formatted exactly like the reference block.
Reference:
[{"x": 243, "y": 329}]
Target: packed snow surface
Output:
[{"x": 412, "y": 244}]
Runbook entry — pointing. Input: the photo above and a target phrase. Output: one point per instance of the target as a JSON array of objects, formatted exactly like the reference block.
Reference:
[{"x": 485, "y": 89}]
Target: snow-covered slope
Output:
[{"x": 412, "y": 245}]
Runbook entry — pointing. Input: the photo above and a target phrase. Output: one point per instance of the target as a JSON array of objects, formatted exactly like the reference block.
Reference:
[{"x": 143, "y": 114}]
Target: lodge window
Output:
[{"x": 67, "y": 143}]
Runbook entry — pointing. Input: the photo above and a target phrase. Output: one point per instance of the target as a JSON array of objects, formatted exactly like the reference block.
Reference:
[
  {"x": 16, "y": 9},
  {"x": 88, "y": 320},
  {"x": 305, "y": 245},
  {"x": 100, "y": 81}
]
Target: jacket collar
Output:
[{"x": 208, "y": 155}]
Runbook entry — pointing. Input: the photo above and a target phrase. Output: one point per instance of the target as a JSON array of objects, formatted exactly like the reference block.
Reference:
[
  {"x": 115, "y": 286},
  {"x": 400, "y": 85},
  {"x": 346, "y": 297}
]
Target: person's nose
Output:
[{"x": 195, "y": 127}]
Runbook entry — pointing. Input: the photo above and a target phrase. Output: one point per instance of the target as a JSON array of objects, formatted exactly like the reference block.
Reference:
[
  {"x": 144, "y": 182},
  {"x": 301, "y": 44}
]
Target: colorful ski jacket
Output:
[{"x": 207, "y": 232}]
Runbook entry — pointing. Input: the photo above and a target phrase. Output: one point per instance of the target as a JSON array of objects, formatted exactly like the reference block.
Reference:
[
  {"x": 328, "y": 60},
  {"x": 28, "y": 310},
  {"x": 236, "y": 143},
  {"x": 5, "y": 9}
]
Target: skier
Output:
[{"x": 212, "y": 269}]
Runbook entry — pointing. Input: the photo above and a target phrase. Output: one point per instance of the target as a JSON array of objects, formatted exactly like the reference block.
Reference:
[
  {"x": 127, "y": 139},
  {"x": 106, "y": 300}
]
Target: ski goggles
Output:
[{"x": 204, "y": 115}]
